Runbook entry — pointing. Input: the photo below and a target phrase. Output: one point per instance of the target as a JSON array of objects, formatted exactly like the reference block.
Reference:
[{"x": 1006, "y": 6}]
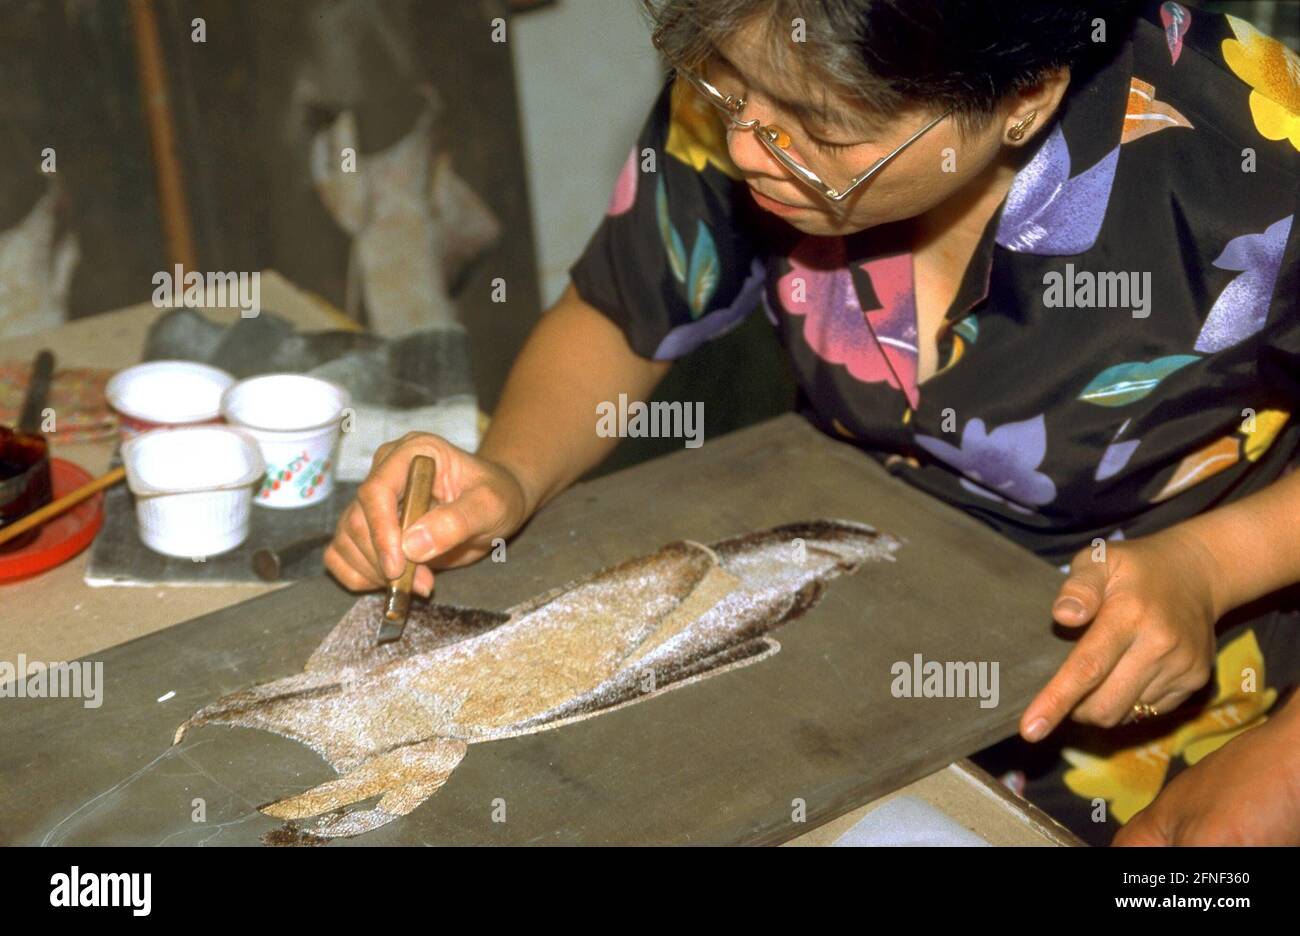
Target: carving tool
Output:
[{"x": 415, "y": 503}]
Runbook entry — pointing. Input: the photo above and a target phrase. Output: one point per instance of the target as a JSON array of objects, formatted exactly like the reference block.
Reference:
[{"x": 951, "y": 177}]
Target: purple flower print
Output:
[
  {"x": 1115, "y": 458},
  {"x": 1242, "y": 307},
  {"x": 1049, "y": 213},
  {"x": 1001, "y": 465},
  {"x": 1117, "y": 455},
  {"x": 686, "y": 338}
]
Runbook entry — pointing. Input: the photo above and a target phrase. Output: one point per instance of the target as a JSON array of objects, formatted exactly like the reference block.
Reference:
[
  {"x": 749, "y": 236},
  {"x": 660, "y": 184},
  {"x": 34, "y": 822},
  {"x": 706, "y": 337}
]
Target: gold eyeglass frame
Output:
[{"x": 774, "y": 139}]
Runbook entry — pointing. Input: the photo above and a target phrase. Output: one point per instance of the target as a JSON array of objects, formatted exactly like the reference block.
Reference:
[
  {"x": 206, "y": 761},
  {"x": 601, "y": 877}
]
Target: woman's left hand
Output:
[
  {"x": 1152, "y": 607},
  {"x": 1245, "y": 793}
]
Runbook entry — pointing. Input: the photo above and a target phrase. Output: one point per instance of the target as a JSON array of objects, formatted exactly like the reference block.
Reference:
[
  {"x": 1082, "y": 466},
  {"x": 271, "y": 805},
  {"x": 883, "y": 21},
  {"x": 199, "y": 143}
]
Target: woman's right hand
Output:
[{"x": 478, "y": 501}]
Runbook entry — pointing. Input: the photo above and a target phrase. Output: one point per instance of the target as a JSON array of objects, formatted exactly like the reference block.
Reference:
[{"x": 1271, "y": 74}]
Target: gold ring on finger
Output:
[{"x": 1142, "y": 711}]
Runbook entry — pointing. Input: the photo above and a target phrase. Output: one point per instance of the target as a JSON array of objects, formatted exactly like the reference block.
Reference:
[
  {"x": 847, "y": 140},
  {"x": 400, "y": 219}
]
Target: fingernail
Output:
[
  {"x": 1037, "y": 729},
  {"x": 417, "y": 542},
  {"x": 1071, "y": 606}
]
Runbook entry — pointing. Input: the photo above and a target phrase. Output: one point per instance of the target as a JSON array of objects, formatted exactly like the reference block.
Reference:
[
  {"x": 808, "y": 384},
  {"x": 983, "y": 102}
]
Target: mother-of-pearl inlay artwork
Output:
[{"x": 395, "y": 719}]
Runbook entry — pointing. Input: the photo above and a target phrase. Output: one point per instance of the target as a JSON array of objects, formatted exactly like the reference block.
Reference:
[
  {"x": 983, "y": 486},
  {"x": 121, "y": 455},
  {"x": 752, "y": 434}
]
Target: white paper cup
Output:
[
  {"x": 167, "y": 393},
  {"x": 296, "y": 421},
  {"x": 193, "y": 488}
]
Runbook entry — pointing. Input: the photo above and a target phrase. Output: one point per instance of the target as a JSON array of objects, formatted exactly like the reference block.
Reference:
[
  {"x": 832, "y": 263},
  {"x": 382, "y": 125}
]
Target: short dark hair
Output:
[{"x": 967, "y": 55}]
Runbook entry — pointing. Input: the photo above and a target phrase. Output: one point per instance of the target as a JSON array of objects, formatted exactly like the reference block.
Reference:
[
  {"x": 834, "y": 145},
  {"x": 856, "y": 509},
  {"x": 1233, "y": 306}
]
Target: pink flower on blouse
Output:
[
  {"x": 624, "y": 194},
  {"x": 876, "y": 345}
]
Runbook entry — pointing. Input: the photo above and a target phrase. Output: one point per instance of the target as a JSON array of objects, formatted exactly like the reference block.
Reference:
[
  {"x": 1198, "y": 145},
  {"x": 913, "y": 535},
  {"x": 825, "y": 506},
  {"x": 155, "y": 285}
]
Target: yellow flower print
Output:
[
  {"x": 1268, "y": 424},
  {"x": 695, "y": 131},
  {"x": 958, "y": 349},
  {"x": 1131, "y": 778},
  {"x": 1128, "y": 780},
  {"x": 1273, "y": 71},
  {"x": 1240, "y": 704}
]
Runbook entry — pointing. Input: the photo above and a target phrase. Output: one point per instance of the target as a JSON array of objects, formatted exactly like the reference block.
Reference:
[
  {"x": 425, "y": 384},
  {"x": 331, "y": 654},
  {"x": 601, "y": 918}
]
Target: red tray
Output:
[{"x": 65, "y": 535}]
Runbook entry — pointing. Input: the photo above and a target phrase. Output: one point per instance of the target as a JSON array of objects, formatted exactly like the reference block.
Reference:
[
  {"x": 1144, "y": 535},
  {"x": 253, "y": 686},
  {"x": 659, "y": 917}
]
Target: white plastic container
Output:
[
  {"x": 193, "y": 488},
  {"x": 296, "y": 421},
  {"x": 167, "y": 393}
]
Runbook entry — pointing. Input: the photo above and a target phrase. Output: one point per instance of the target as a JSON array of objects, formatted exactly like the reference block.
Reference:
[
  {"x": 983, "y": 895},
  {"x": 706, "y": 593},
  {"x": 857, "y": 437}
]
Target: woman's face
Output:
[{"x": 933, "y": 168}]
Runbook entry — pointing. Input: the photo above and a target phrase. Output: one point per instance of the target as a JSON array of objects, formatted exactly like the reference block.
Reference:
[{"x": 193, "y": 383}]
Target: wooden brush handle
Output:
[
  {"x": 54, "y": 508},
  {"x": 415, "y": 504}
]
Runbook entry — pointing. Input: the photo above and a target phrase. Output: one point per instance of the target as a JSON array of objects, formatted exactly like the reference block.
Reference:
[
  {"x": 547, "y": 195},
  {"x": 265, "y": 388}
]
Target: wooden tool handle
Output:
[
  {"x": 415, "y": 504},
  {"x": 173, "y": 205},
  {"x": 269, "y": 562},
  {"x": 54, "y": 508}
]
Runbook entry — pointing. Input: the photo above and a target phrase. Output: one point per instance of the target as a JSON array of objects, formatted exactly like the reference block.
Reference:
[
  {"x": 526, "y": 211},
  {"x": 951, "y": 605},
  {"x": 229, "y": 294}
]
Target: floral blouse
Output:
[{"x": 1124, "y": 349}]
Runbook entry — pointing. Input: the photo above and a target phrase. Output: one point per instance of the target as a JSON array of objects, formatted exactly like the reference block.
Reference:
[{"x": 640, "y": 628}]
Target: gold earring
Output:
[{"x": 1017, "y": 132}]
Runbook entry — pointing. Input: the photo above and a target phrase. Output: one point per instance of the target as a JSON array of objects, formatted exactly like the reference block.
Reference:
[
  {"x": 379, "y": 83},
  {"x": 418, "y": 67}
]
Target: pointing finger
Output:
[{"x": 1089, "y": 663}]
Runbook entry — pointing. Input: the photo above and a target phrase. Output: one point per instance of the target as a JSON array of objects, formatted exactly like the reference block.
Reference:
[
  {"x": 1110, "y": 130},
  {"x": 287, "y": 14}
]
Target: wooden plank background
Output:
[{"x": 719, "y": 761}]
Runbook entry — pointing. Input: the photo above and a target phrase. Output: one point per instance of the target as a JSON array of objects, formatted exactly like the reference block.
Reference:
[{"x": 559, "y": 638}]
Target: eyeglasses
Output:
[{"x": 777, "y": 141}]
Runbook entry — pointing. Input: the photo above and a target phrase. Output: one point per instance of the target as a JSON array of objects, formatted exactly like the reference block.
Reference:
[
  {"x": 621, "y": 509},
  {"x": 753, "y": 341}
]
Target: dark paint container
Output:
[{"x": 24, "y": 481}]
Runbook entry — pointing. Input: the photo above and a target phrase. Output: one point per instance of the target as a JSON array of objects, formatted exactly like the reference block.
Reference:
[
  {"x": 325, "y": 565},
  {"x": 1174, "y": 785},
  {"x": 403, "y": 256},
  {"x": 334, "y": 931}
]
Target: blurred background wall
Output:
[{"x": 262, "y": 100}]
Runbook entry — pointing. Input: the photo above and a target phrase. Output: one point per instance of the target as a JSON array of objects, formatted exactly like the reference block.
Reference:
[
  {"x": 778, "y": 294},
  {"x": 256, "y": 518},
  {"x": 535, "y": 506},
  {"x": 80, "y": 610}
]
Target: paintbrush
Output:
[
  {"x": 62, "y": 505},
  {"x": 415, "y": 503}
]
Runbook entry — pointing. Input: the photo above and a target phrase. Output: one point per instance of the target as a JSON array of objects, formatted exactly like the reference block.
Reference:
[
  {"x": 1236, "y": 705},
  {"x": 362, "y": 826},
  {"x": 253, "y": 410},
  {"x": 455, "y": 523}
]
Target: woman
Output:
[{"x": 1038, "y": 259}]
